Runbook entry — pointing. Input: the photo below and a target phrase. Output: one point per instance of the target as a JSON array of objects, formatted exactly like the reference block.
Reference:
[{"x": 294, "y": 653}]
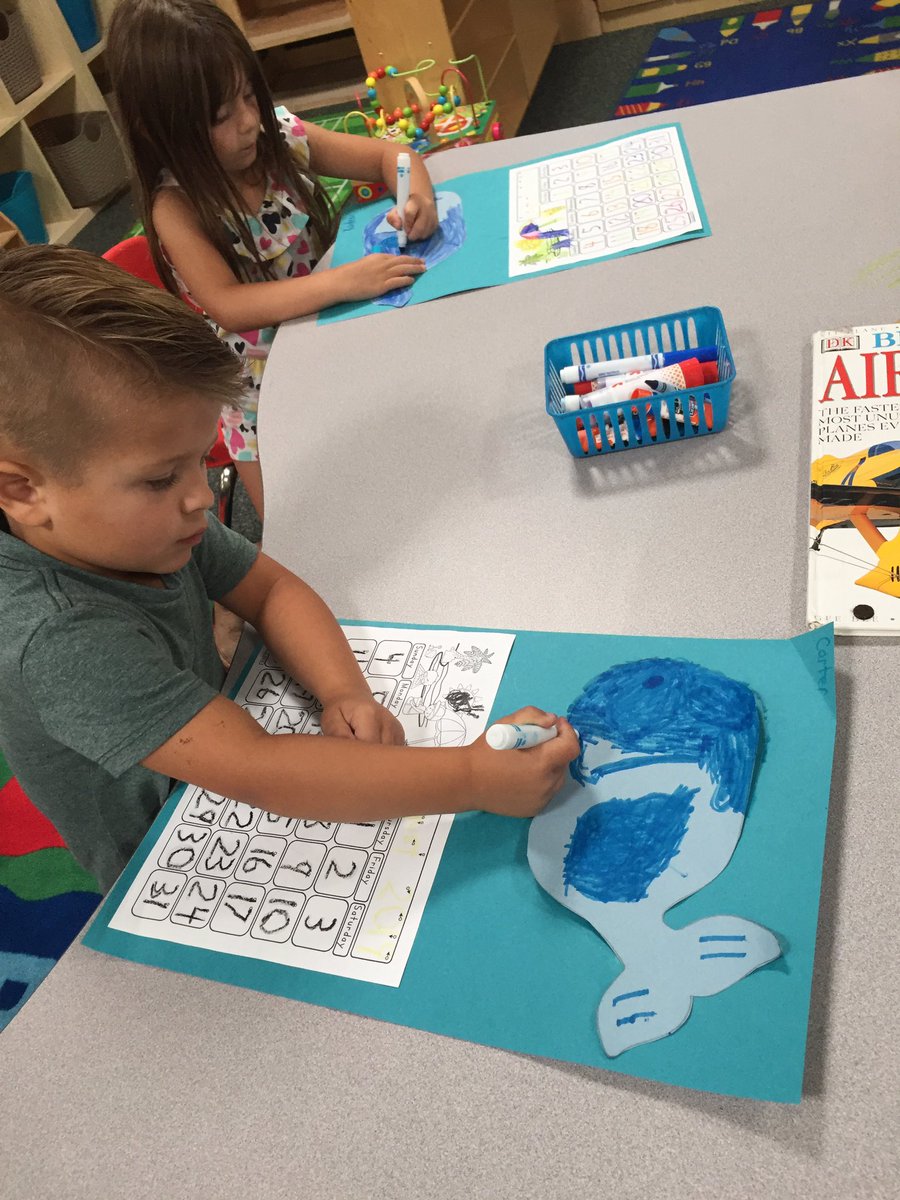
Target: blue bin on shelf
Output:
[
  {"x": 652, "y": 420},
  {"x": 19, "y": 202},
  {"x": 82, "y": 20}
]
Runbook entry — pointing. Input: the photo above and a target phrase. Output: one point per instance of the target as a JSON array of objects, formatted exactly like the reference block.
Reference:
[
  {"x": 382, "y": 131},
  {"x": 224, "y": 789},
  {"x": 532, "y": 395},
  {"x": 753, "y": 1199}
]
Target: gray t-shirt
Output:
[{"x": 95, "y": 674}]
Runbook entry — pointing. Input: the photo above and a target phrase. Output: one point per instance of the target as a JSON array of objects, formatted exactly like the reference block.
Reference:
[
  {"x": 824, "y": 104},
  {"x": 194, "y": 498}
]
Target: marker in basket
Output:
[
  {"x": 640, "y": 393},
  {"x": 584, "y": 372},
  {"x": 710, "y": 375},
  {"x": 403, "y": 168},
  {"x": 669, "y": 379},
  {"x": 687, "y": 374},
  {"x": 607, "y": 419},
  {"x": 507, "y": 736}
]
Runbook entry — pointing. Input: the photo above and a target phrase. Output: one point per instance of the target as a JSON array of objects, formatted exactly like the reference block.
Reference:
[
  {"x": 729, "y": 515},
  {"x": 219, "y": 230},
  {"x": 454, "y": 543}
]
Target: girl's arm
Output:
[
  {"x": 236, "y": 305},
  {"x": 349, "y": 156}
]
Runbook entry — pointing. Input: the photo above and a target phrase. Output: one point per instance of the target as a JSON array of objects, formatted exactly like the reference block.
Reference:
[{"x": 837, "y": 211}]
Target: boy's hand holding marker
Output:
[
  {"x": 513, "y": 785},
  {"x": 520, "y": 785}
]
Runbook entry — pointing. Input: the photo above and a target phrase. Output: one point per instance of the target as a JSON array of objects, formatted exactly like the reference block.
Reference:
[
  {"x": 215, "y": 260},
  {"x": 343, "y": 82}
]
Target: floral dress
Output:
[{"x": 279, "y": 231}]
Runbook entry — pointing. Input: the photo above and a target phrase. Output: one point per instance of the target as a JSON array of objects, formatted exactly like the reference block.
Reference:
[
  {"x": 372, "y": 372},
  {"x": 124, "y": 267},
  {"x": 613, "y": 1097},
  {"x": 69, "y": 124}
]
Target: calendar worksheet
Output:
[
  {"x": 343, "y": 898},
  {"x": 628, "y": 194}
]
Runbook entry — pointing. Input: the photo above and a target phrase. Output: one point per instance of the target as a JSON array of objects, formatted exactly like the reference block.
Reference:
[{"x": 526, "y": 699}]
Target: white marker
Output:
[
  {"x": 586, "y": 399},
  {"x": 402, "y": 195},
  {"x": 584, "y": 372},
  {"x": 518, "y": 737}
]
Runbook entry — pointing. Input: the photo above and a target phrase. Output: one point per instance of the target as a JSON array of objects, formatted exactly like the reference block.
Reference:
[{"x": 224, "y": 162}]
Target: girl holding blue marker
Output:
[{"x": 235, "y": 213}]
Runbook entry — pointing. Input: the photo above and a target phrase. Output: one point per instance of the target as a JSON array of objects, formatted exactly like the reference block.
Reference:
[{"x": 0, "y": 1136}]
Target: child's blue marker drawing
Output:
[
  {"x": 381, "y": 238},
  {"x": 653, "y": 815}
]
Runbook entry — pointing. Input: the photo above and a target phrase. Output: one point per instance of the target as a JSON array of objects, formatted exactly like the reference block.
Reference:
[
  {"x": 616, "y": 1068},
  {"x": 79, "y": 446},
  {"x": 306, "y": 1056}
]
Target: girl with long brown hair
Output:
[{"x": 229, "y": 195}]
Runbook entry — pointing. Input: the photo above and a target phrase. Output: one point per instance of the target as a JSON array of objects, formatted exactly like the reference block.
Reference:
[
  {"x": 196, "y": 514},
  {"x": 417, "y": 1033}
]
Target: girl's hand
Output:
[
  {"x": 519, "y": 783},
  {"x": 363, "y": 718},
  {"x": 376, "y": 274},
  {"x": 419, "y": 217}
]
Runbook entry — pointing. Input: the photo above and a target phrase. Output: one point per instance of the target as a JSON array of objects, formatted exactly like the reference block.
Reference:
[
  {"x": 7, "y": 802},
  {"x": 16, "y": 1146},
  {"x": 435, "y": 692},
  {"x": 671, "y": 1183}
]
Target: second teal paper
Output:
[{"x": 483, "y": 258}]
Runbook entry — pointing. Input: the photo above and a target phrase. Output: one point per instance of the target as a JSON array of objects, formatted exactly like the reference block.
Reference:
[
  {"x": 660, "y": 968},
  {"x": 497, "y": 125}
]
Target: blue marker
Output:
[
  {"x": 583, "y": 372},
  {"x": 403, "y": 168}
]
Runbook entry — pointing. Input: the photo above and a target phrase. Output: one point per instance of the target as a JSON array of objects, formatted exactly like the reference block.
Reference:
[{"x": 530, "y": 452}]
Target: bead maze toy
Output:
[{"x": 428, "y": 121}]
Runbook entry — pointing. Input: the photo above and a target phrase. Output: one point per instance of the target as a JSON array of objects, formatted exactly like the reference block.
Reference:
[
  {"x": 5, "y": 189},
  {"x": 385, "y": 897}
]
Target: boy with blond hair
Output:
[{"x": 110, "y": 393}]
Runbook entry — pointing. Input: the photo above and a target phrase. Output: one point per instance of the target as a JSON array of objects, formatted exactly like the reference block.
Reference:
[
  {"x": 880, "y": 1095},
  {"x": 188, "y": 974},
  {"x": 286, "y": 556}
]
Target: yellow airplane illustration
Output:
[{"x": 864, "y": 489}]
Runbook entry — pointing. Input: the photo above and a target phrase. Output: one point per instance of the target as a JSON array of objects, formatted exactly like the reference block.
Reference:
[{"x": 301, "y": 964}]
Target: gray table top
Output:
[{"x": 438, "y": 491}]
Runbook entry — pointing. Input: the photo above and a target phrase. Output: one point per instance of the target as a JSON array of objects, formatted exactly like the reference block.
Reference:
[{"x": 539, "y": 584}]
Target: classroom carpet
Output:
[{"x": 763, "y": 51}]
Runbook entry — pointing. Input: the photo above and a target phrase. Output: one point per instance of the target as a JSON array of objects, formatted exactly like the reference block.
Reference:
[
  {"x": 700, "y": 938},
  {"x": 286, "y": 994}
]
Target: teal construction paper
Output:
[
  {"x": 483, "y": 259},
  {"x": 497, "y": 961}
]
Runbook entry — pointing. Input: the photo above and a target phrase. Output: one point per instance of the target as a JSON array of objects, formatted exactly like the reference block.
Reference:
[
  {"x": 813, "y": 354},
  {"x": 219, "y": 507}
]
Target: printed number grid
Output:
[
  {"x": 321, "y": 885},
  {"x": 611, "y": 197}
]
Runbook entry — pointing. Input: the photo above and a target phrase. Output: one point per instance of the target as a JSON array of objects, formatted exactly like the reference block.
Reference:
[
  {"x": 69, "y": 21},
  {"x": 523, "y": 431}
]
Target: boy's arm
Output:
[
  {"x": 338, "y": 779},
  {"x": 300, "y": 630},
  {"x": 343, "y": 778}
]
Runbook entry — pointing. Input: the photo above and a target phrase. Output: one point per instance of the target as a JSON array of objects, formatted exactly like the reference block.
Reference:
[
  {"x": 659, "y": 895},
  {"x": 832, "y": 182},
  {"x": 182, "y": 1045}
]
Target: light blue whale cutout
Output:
[
  {"x": 381, "y": 238},
  {"x": 652, "y": 815}
]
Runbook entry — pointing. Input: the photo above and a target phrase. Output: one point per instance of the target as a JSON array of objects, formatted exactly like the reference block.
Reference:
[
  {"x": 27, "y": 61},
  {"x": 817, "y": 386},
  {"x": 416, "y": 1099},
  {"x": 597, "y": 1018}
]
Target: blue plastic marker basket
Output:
[{"x": 650, "y": 421}]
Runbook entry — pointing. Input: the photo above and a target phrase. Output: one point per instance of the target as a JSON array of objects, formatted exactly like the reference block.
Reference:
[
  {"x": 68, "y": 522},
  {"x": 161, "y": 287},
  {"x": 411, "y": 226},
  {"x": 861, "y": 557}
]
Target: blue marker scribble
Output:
[
  {"x": 630, "y": 995},
  {"x": 381, "y": 238},
  {"x": 619, "y": 847},
  {"x": 654, "y": 812},
  {"x": 662, "y": 706}
]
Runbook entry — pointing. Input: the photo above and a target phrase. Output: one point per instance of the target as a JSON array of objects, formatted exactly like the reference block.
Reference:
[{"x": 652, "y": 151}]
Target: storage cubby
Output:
[{"x": 67, "y": 86}]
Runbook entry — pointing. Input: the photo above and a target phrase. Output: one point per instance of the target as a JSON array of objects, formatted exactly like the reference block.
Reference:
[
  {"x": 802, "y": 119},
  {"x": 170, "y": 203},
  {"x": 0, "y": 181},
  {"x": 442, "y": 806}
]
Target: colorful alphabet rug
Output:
[{"x": 766, "y": 51}]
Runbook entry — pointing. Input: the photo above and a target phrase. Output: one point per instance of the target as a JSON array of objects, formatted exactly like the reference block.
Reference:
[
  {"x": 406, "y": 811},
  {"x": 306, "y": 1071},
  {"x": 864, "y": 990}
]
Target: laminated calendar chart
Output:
[
  {"x": 629, "y": 194},
  {"x": 340, "y": 898}
]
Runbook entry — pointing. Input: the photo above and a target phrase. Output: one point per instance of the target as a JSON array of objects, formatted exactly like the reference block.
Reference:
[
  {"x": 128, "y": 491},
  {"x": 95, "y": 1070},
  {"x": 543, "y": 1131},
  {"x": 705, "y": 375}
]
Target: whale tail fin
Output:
[{"x": 653, "y": 998}]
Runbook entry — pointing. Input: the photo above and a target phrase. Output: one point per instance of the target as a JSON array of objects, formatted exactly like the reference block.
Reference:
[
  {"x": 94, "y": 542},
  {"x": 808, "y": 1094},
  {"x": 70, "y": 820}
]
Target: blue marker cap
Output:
[{"x": 701, "y": 353}]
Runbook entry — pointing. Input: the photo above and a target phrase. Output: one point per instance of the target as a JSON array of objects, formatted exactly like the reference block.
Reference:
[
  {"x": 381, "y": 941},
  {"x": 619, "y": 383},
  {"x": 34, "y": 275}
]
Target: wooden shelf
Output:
[
  {"x": 319, "y": 85},
  {"x": 47, "y": 88},
  {"x": 7, "y": 236},
  {"x": 305, "y": 101},
  {"x": 64, "y": 230},
  {"x": 297, "y": 23},
  {"x": 92, "y": 51},
  {"x": 456, "y": 12},
  {"x": 511, "y": 38}
]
